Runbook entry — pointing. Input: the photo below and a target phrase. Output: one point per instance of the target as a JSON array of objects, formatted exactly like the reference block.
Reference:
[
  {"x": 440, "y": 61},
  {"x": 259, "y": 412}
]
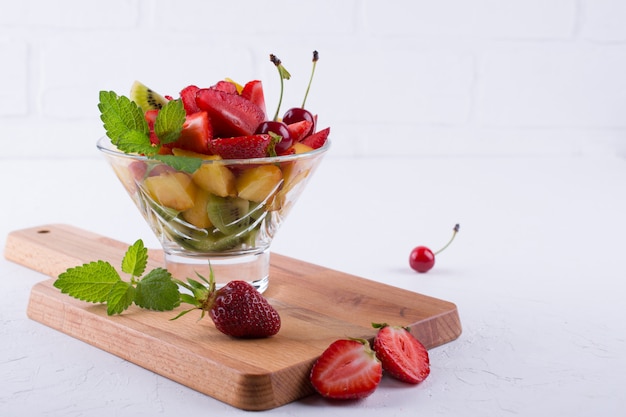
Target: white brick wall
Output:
[{"x": 403, "y": 77}]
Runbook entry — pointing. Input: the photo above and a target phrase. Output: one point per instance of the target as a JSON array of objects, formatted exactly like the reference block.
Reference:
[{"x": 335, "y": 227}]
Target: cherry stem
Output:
[
  {"x": 284, "y": 75},
  {"x": 455, "y": 230},
  {"x": 316, "y": 56}
]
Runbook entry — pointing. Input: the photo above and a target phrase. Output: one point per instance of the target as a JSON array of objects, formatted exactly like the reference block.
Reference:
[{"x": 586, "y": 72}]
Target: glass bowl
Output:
[{"x": 224, "y": 214}]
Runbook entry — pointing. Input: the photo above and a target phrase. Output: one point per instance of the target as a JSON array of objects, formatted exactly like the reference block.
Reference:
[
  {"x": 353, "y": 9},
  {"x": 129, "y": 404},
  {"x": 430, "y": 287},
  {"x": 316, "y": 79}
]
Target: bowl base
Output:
[{"x": 252, "y": 268}]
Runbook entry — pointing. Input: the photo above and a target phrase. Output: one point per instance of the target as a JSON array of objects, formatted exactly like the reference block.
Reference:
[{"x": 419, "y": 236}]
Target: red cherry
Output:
[
  {"x": 280, "y": 129},
  {"x": 297, "y": 114},
  {"x": 422, "y": 259}
]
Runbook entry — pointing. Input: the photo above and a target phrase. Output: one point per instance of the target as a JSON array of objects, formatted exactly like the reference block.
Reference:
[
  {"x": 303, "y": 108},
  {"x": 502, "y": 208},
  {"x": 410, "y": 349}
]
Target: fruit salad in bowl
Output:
[{"x": 210, "y": 172}]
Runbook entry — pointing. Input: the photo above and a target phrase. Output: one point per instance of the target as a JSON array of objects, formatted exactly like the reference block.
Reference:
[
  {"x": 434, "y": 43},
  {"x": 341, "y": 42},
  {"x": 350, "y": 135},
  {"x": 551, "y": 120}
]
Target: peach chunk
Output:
[
  {"x": 175, "y": 190},
  {"x": 258, "y": 183},
  {"x": 214, "y": 177},
  {"x": 198, "y": 215}
]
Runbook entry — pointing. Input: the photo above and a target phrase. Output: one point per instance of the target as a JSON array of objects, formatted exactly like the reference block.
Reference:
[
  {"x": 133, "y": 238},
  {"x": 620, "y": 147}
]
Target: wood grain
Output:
[{"x": 317, "y": 306}]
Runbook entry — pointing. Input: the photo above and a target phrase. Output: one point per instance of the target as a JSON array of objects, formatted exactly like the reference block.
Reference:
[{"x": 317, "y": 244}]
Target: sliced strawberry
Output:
[
  {"x": 225, "y": 86},
  {"x": 318, "y": 139},
  {"x": 298, "y": 130},
  {"x": 151, "y": 116},
  {"x": 230, "y": 114},
  {"x": 242, "y": 147},
  {"x": 402, "y": 355},
  {"x": 253, "y": 91},
  {"x": 347, "y": 369},
  {"x": 195, "y": 135},
  {"x": 188, "y": 96}
]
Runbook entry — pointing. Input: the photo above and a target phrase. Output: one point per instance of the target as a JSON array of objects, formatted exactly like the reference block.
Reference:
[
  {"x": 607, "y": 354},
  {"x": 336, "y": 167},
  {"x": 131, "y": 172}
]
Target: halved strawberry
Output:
[
  {"x": 318, "y": 139},
  {"x": 298, "y": 130},
  {"x": 231, "y": 115},
  {"x": 242, "y": 147},
  {"x": 402, "y": 355},
  {"x": 347, "y": 369},
  {"x": 188, "y": 96},
  {"x": 253, "y": 91},
  {"x": 195, "y": 135}
]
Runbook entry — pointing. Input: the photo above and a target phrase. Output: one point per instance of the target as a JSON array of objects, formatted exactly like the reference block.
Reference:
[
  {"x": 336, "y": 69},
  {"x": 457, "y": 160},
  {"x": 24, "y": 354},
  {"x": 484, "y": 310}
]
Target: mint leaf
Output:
[
  {"x": 157, "y": 291},
  {"x": 135, "y": 259},
  {"x": 120, "y": 297},
  {"x": 134, "y": 141},
  {"x": 169, "y": 122},
  {"x": 90, "y": 282},
  {"x": 121, "y": 115},
  {"x": 187, "y": 164}
]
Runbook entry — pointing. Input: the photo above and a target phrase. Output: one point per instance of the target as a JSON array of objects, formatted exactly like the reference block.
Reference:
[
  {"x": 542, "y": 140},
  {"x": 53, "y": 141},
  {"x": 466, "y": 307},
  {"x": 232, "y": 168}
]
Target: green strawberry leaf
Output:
[
  {"x": 90, "y": 282},
  {"x": 120, "y": 297},
  {"x": 157, "y": 291},
  {"x": 135, "y": 259},
  {"x": 189, "y": 299}
]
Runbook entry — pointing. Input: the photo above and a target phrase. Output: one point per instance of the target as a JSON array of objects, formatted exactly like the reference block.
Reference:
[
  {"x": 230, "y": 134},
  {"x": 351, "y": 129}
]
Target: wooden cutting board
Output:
[{"x": 317, "y": 306}]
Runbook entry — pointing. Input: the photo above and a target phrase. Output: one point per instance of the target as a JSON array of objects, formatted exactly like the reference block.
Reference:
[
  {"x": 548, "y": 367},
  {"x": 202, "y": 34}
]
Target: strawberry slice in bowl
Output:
[
  {"x": 253, "y": 91},
  {"x": 242, "y": 147},
  {"x": 196, "y": 134},
  {"x": 299, "y": 130},
  {"x": 188, "y": 97},
  {"x": 230, "y": 114},
  {"x": 318, "y": 139}
]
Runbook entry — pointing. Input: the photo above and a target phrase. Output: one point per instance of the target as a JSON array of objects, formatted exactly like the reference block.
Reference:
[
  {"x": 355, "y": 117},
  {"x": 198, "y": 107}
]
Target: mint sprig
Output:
[
  {"x": 126, "y": 126},
  {"x": 99, "y": 282}
]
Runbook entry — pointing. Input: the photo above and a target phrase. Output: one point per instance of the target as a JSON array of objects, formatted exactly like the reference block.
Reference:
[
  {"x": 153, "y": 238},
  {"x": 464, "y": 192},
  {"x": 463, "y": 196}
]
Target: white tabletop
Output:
[{"x": 536, "y": 272}]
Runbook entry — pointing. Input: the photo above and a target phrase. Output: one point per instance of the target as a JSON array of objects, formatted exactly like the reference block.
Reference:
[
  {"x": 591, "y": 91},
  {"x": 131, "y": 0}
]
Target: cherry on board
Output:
[{"x": 422, "y": 259}]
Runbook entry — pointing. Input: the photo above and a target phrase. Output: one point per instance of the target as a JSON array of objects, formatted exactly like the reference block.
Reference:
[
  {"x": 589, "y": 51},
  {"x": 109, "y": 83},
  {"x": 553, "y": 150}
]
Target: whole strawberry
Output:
[
  {"x": 402, "y": 355},
  {"x": 237, "y": 309},
  {"x": 347, "y": 369}
]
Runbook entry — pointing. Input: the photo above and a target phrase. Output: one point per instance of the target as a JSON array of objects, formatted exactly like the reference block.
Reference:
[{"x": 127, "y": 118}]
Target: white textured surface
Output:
[{"x": 536, "y": 272}]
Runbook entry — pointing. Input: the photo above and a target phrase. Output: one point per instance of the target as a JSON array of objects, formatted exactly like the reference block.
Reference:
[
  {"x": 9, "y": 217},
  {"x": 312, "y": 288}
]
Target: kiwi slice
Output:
[
  {"x": 146, "y": 98},
  {"x": 228, "y": 214},
  {"x": 216, "y": 242}
]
